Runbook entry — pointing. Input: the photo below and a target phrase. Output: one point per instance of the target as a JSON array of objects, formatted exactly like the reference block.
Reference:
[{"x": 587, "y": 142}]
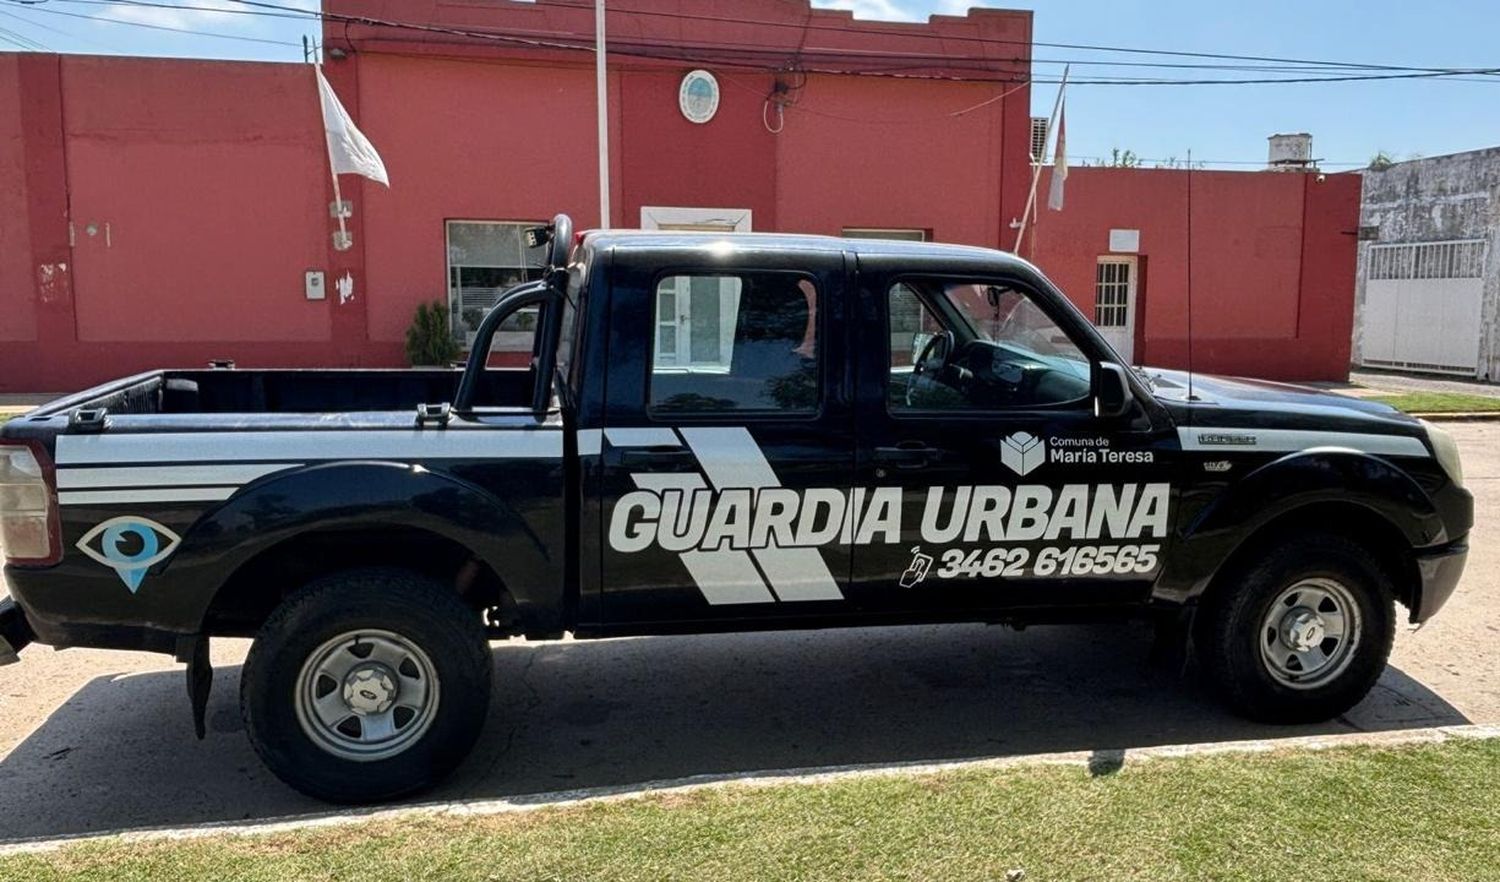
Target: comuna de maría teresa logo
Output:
[
  {"x": 1022, "y": 452},
  {"x": 129, "y": 546}
]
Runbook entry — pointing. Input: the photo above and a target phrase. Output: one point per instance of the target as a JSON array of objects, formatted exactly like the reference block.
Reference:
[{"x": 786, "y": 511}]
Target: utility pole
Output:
[{"x": 602, "y": 76}]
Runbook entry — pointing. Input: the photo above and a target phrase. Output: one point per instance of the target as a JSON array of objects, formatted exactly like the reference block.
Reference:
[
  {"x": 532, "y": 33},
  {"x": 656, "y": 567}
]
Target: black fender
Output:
[
  {"x": 348, "y": 495},
  {"x": 1215, "y": 527}
]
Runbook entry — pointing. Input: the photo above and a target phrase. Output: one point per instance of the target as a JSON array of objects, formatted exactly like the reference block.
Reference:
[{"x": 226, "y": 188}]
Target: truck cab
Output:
[{"x": 715, "y": 433}]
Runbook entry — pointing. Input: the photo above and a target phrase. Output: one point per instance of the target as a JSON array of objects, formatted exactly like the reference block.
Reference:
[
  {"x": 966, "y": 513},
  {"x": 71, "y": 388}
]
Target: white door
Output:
[
  {"x": 1114, "y": 304},
  {"x": 695, "y": 321},
  {"x": 1423, "y": 306},
  {"x": 695, "y": 316}
]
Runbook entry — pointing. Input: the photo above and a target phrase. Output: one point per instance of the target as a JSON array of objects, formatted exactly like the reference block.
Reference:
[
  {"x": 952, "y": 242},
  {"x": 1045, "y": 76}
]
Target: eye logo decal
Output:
[{"x": 129, "y": 546}]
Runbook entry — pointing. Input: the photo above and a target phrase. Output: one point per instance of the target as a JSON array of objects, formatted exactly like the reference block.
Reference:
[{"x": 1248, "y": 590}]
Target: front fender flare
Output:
[
  {"x": 348, "y": 495},
  {"x": 1278, "y": 489}
]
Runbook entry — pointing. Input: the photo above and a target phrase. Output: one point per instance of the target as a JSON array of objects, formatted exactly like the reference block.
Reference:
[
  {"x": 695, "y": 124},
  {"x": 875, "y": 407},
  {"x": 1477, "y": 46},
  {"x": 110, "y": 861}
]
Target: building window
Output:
[
  {"x": 1039, "y": 139},
  {"x": 484, "y": 259},
  {"x": 878, "y": 233},
  {"x": 1112, "y": 294},
  {"x": 725, "y": 344}
]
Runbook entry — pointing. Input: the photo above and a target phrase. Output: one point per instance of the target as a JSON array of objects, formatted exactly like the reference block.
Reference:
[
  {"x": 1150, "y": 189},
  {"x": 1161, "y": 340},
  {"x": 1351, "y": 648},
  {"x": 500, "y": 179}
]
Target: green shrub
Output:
[{"x": 429, "y": 340}]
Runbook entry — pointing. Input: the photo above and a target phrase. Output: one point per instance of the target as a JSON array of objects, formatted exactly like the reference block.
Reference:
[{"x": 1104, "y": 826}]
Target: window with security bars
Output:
[
  {"x": 1112, "y": 294},
  {"x": 1039, "y": 139},
  {"x": 1463, "y": 259}
]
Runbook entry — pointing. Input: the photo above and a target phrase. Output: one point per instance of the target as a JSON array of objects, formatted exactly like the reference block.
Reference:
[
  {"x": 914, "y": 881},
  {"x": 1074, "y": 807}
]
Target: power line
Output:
[
  {"x": 759, "y": 58},
  {"x": 35, "y": 7},
  {"x": 22, "y": 41},
  {"x": 965, "y": 38}
]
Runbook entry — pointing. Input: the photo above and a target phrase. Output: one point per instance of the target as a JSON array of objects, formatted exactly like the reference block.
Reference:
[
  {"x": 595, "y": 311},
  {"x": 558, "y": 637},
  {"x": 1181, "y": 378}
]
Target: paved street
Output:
[{"x": 93, "y": 741}]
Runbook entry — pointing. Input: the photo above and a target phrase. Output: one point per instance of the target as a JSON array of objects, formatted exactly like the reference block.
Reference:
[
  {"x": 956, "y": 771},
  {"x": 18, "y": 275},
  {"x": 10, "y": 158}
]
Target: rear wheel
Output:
[
  {"x": 366, "y": 685},
  {"x": 1301, "y": 633}
]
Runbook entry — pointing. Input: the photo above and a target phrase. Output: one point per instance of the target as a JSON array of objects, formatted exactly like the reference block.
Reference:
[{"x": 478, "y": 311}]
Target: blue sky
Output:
[{"x": 1349, "y": 121}]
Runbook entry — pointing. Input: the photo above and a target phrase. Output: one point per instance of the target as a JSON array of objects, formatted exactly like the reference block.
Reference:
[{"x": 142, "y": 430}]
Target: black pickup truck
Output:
[{"x": 715, "y": 433}]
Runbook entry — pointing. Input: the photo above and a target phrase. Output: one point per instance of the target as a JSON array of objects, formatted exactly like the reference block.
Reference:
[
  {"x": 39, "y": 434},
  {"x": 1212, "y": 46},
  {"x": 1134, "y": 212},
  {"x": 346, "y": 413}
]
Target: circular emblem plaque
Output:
[{"x": 699, "y": 96}]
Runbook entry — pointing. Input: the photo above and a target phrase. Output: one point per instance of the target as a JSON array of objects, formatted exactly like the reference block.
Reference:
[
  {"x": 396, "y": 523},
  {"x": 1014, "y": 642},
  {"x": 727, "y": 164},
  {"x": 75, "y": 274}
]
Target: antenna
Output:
[{"x": 1190, "y": 396}]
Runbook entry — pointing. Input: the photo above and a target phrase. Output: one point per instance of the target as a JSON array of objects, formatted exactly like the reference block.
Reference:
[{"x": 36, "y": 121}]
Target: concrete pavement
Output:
[{"x": 93, "y": 741}]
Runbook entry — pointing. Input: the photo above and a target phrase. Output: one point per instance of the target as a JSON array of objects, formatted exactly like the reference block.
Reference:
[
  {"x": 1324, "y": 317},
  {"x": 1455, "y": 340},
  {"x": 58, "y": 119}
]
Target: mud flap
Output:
[{"x": 200, "y": 678}]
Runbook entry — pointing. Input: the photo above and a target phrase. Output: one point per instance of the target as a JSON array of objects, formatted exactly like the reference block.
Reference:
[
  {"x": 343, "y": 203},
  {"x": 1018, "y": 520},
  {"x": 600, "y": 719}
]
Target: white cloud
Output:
[
  {"x": 961, "y": 7},
  {"x": 884, "y": 10}
]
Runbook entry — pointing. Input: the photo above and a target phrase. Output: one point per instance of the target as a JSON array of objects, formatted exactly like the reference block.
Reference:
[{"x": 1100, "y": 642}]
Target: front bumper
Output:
[
  {"x": 15, "y": 632},
  {"x": 1440, "y": 571}
]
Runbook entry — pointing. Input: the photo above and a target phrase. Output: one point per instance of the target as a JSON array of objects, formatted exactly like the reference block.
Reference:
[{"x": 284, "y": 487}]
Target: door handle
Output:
[
  {"x": 903, "y": 457},
  {"x": 656, "y": 457}
]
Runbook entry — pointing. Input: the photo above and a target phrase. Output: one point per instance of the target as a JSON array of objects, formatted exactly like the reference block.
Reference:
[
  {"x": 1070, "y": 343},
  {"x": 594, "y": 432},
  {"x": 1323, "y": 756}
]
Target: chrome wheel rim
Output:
[
  {"x": 1309, "y": 634},
  {"x": 367, "y": 695}
]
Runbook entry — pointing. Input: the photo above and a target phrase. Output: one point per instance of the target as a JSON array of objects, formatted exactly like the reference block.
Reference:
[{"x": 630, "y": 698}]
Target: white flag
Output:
[
  {"x": 1060, "y": 161},
  {"x": 349, "y": 151}
]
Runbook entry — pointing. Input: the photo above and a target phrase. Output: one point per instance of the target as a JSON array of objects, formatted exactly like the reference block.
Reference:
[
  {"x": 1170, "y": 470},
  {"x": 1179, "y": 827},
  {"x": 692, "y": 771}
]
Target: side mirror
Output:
[{"x": 1114, "y": 398}]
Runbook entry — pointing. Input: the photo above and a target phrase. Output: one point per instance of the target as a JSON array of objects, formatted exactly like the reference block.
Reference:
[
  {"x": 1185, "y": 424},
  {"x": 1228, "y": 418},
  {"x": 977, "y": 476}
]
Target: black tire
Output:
[
  {"x": 1232, "y": 625},
  {"x": 421, "y": 611}
]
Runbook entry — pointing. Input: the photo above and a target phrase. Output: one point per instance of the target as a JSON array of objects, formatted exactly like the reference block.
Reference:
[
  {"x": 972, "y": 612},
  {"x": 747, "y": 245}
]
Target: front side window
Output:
[
  {"x": 978, "y": 346},
  {"x": 484, "y": 259},
  {"x": 734, "y": 343}
]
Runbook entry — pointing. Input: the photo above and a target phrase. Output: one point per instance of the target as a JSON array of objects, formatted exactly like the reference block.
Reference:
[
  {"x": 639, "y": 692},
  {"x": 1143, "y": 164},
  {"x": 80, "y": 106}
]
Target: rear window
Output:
[{"x": 734, "y": 343}]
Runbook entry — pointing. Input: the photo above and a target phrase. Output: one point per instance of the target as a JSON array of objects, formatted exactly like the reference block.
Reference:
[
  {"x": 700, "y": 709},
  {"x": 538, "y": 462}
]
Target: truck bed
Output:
[{"x": 292, "y": 391}]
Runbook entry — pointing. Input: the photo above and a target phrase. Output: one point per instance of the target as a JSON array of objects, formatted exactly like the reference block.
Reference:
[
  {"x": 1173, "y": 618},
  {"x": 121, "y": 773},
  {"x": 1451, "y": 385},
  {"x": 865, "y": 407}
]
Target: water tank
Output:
[{"x": 1291, "y": 151}]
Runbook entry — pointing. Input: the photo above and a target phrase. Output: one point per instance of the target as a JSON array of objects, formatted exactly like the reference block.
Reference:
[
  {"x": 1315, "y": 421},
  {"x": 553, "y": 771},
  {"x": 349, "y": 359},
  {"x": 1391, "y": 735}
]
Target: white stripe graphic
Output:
[
  {"x": 409, "y": 444},
  {"x": 724, "y": 576},
  {"x": 156, "y": 476},
  {"x": 1291, "y": 440},
  {"x": 649, "y": 437},
  {"x": 120, "y": 497},
  {"x": 590, "y": 442},
  {"x": 731, "y": 458}
]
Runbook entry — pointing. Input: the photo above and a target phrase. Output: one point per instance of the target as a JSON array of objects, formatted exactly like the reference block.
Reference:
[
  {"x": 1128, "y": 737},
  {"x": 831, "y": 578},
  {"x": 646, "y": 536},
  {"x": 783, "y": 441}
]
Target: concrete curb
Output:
[
  {"x": 1111, "y": 758},
  {"x": 1478, "y": 416}
]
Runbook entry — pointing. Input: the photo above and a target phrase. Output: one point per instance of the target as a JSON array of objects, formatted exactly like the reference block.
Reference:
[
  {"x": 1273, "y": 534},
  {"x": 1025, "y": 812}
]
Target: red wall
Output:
[
  {"x": 1273, "y": 263},
  {"x": 204, "y": 215},
  {"x": 206, "y": 189},
  {"x": 205, "y": 184}
]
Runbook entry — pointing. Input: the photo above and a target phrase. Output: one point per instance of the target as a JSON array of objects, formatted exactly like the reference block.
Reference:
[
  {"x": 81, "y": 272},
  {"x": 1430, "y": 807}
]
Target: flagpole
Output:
[
  {"x": 341, "y": 243},
  {"x": 601, "y": 77},
  {"x": 1036, "y": 173}
]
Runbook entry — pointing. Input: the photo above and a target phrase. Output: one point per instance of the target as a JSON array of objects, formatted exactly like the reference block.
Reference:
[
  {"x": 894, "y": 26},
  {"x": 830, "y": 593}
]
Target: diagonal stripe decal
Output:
[{"x": 731, "y": 459}]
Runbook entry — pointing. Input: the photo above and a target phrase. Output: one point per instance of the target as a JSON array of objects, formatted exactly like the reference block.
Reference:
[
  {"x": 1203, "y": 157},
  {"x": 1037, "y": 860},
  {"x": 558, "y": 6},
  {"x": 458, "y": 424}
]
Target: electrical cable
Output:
[
  {"x": 938, "y": 60},
  {"x": 37, "y": 7}
]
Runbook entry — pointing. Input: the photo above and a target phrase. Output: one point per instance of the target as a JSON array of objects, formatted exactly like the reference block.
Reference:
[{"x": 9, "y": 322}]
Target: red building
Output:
[
  {"x": 1270, "y": 280},
  {"x": 167, "y": 212}
]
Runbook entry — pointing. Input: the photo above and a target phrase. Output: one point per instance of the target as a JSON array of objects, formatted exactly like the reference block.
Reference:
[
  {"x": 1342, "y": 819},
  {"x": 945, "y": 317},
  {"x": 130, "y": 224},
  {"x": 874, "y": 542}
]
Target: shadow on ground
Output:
[{"x": 120, "y": 752}]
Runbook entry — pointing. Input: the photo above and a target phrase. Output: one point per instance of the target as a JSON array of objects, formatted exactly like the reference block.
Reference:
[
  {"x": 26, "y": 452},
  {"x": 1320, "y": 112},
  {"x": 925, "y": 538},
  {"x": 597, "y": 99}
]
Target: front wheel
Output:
[
  {"x": 366, "y": 685},
  {"x": 1300, "y": 634}
]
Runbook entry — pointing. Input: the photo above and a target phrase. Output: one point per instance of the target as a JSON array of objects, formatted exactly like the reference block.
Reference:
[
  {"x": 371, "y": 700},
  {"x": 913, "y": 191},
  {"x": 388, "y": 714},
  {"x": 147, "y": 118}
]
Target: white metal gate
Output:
[{"x": 1422, "y": 307}]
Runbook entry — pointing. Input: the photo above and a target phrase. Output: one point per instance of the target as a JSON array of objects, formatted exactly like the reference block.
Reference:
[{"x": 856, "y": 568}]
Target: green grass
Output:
[
  {"x": 1414, "y": 813},
  {"x": 1440, "y": 402}
]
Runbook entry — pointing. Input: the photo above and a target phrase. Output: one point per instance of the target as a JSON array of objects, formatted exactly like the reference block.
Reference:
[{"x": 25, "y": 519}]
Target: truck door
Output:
[
  {"x": 987, "y": 480},
  {"x": 728, "y": 441}
]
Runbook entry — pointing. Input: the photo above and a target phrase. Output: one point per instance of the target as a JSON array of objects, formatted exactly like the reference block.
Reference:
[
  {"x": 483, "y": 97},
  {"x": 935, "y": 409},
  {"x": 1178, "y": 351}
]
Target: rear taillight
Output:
[{"x": 28, "y": 506}]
